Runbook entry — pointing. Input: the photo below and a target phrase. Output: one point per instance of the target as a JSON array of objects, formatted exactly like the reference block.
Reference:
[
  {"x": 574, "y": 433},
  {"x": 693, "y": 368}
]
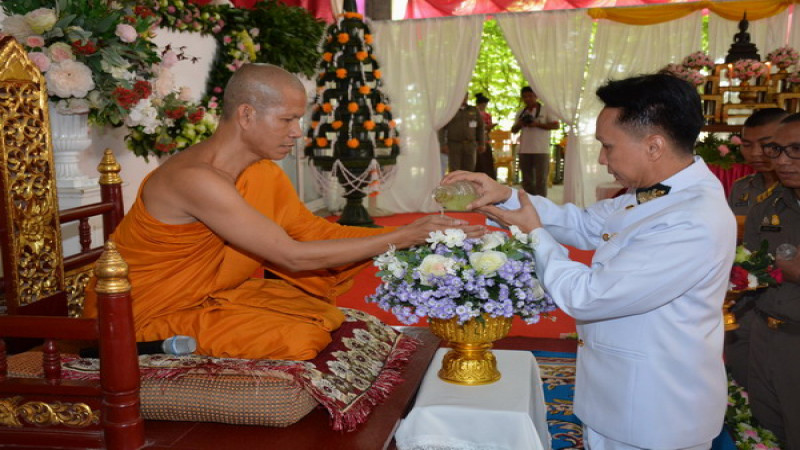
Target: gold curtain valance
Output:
[{"x": 649, "y": 15}]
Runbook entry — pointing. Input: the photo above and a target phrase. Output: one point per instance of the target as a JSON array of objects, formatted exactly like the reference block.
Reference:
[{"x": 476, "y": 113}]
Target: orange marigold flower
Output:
[
  {"x": 388, "y": 142},
  {"x": 327, "y": 107},
  {"x": 380, "y": 107},
  {"x": 388, "y": 107},
  {"x": 361, "y": 55},
  {"x": 352, "y": 107},
  {"x": 368, "y": 39},
  {"x": 314, "y": 124},
  {"x": 377, "y": 73},
  {"x": 322, "y": 142},
  {"x": 369, "y": 125},
  {"x": 352, "y": 15},
  {"x": 392, "y": 124},
  {"x": 364, "y": 89},
  {"x": 343, "y": 38},
  {"x": 341, "y": 73},
  {"x": 337, "y": 124},
  {"x": 353, "y": 143},
  {"x": 327, "y": 56}
]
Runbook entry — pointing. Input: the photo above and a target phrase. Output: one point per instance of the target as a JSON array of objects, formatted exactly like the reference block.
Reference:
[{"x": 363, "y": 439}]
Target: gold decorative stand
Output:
[{"x": 470, "y": 360}]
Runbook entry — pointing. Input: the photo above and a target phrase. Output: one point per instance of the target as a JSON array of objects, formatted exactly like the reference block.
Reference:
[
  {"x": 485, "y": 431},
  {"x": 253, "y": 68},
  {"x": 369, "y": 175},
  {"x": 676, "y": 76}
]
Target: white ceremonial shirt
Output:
[{"x": 649, "y": 310}]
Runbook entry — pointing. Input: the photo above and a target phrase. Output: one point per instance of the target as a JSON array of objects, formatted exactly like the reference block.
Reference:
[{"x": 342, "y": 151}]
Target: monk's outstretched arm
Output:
[{"x": 213, "y": 200}]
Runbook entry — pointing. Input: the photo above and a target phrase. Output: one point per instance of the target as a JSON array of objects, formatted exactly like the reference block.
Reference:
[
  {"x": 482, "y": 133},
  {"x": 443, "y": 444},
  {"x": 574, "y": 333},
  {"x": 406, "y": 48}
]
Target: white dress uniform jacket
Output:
[{"x": 649, "y": 310}]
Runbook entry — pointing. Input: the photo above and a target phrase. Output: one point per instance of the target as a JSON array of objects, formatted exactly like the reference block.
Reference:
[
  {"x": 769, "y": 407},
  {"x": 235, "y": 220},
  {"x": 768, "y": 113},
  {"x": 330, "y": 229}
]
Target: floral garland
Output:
[{"x": 748, "y": 434}]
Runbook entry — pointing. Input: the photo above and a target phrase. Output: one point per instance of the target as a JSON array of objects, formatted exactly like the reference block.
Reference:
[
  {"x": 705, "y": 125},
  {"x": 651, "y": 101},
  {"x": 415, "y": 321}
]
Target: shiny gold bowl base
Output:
[{"x": 470, "y": 360}]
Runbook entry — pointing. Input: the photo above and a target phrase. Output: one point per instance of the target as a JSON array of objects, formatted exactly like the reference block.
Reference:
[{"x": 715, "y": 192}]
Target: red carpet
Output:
[{"x": 366, "y": 282}]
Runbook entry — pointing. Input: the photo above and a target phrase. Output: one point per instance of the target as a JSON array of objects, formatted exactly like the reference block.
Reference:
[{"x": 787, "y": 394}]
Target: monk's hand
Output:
[
  {"x": 417, "y": 232},
  {"x": 489, "y": 190},
  {"x": 526, "y": 217}
]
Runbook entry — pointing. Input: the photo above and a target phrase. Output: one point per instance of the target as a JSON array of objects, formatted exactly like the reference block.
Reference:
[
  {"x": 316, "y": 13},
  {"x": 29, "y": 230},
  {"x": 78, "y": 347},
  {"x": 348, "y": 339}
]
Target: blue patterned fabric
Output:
[{"x": 557, "y": 370}]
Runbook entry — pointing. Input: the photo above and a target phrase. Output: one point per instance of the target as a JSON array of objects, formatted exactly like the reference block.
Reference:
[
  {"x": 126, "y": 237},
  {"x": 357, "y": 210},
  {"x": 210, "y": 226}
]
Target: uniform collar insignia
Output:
[{"x": 646, "y": 194}]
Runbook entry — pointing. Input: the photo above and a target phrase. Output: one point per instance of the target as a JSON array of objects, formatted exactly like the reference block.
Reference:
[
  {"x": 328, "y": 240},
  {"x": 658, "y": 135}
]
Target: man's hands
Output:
[
  {"x": 490, "y": 191},
  {"x": 526, "y": 217},
  {"x": 790, "y": 269}
]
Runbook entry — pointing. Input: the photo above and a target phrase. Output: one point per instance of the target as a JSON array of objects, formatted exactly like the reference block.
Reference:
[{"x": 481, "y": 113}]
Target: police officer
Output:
[
  {"x": 747, "y": 191},
  {"x": 461, "y": 138},
  {"x": 774, "y": 357}
]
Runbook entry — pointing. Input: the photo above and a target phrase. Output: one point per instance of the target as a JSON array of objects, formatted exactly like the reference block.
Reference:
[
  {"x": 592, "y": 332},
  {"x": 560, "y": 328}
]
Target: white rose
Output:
[
  {"x": 165, "y": 83},
  {"x": 435, "y": 265},
  {"x": 143, "y": 114},
  {"x": 69, "y": 79},
  {"x": 17, "y": 26},
  {"x": 493, "y": 240},
  {"x": 41, "y": 20},
  {"x": 186, "y": 94},
  {"x": 752, "y": 281},
  {"x": 518, "y": 234},
  {"x": 487, "y": 262},
  {"x": 454, "y": 237}
]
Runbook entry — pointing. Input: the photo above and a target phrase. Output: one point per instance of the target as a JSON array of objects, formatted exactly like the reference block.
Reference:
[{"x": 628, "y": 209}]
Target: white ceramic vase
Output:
[{"x": 70, "y": 134}]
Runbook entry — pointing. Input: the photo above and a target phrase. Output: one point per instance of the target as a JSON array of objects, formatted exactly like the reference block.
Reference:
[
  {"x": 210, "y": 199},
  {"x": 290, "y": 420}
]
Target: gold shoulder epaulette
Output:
[
  {"x": 746, "y": 176},
  {"x": 767, "y": 193}
]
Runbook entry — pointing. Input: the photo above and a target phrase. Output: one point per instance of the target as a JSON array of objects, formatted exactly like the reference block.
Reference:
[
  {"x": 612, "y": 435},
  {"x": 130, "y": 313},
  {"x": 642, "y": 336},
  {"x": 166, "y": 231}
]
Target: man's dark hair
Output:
[
  {"x": 791, "y": 118},
  {"x": 526, "y": 89},
  {"x": 480, "y": 98},
  {"x": 657, "y": 101},
  {"x": 765, "y": 117}
]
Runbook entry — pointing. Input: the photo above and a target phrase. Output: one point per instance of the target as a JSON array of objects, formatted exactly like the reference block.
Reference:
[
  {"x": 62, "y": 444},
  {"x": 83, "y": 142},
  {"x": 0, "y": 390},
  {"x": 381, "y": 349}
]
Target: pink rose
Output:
[
  {"x": 736, "y": 140},
  {"x": 41, "y": 60},
  {"x": 60, "y": 52},
  {"x": 185, "y": 94},
  {"x": 34, "y": 41},
  {"x": 724, "y": 150},
  {"x": 126, "y": 33},
  {"x": 69, "y": 79}
]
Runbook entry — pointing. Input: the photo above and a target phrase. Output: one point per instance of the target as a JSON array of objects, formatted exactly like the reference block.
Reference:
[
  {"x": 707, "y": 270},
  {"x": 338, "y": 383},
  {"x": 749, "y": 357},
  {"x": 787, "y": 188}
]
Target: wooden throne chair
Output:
[{"x": 39, "y": 284}]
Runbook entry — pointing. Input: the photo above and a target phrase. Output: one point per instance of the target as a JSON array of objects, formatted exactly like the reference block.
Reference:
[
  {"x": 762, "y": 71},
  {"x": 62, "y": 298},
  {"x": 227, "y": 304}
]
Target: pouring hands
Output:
[
  {"x": 417, "y": 232},
  {"x": 491, "y": 192}
]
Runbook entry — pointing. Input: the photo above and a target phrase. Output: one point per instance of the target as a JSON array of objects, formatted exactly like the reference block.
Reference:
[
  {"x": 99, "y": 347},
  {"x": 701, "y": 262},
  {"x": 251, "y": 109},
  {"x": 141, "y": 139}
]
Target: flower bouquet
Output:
[
  {"x": 698, "y": 61},
  {"x": 462, "y": 278},
  {"x": 745, "y": 69},
  {"x": 754, "y": 269},
  {"x": 469, "y": 289},
  {"x": 783, "y": 57},
  {"x": 685, "y": 73},
  {"x": 720, "y": 152}
]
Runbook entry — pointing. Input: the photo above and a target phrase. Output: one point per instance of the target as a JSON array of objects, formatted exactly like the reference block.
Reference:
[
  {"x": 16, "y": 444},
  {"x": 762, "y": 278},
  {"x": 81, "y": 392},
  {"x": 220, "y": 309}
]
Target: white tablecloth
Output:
[{"x": 509, "y": 414}]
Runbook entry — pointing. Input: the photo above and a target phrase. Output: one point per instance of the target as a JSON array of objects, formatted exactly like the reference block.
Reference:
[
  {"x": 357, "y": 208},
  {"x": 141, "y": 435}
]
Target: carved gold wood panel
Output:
[
  {"x": 28, "y": 181},
  {"x": 76, "y": 282},
  {"x": 14, "y": 413}
]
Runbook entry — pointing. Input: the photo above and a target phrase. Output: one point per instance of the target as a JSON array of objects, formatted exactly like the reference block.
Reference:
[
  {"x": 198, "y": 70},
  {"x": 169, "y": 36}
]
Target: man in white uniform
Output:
[{"x": 648, "y": 311}]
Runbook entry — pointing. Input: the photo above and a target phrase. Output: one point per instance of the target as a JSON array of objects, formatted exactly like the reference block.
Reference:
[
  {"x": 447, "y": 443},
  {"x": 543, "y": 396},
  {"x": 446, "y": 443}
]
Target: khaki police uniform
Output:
[
  {"x": 745, "y": 192},
  {"x": 774, "y": 357},
  {"x": 463, "y": 135}
]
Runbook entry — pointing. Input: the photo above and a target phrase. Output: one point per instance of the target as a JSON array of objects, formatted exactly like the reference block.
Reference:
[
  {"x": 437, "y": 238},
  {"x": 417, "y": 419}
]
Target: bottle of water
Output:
[
  {"x": 455, "y": 196},
  {"x": 179, "y": 345},
  {"x": 785, "y": 252}
]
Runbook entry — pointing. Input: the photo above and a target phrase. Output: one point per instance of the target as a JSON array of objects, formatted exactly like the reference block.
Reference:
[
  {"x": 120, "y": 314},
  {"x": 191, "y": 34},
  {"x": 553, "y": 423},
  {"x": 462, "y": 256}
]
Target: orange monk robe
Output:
[{"x": 186, "y": 280}]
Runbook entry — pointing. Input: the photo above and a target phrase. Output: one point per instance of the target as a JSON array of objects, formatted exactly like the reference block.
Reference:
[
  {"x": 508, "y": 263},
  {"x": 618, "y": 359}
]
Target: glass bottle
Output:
[{"x": 455, "y": 196}]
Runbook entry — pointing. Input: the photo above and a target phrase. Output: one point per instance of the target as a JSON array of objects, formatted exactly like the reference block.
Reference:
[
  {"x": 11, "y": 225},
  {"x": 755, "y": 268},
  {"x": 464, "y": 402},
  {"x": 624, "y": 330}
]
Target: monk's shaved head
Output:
[{"x": 258, "y": 85}]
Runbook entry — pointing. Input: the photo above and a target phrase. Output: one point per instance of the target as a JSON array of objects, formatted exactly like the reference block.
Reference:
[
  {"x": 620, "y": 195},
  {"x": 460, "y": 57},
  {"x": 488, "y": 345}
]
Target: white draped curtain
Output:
[
  {"x": 551, "y": 49},
  {"x": 427, "y": 66},
  {"x": 621, "y": 51},
  {"x": 767, "y": 34}
]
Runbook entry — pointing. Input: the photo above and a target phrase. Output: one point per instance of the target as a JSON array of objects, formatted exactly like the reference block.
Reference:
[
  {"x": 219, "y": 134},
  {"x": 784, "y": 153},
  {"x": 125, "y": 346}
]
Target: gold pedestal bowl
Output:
[{"x": 470, "y": 360}]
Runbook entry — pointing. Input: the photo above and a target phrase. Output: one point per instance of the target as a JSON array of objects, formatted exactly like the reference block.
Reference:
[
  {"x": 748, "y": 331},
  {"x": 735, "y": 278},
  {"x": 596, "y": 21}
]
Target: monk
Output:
[{"x": 210, "y": 216}]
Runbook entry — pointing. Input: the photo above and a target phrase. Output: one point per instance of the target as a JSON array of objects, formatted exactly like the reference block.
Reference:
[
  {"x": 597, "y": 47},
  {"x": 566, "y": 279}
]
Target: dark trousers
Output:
[
  {"x": 461, "y": 155},
  {"x": 485, "y": 163},
  {"x": 772, "y": 379},
  {"x": 534, "y": 168}
]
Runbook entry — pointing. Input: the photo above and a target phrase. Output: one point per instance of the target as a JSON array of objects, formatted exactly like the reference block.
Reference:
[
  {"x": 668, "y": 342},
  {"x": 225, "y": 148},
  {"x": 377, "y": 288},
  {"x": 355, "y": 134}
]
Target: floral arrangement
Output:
[
  {"x": 747, "y": 433},
  {"x": 783, "y": 57},
  {"x": 693, "y": 76},
  {"x": 97, "y": 58},
  {"x": 464, "y": 278},
  {"x": 720, "y": 152},
  {"x": 745, "y": 69},
  {"x": 754, "y": 269},
  {"x": 698, "y": 61},
  {"x": 794, "y": 77}
]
